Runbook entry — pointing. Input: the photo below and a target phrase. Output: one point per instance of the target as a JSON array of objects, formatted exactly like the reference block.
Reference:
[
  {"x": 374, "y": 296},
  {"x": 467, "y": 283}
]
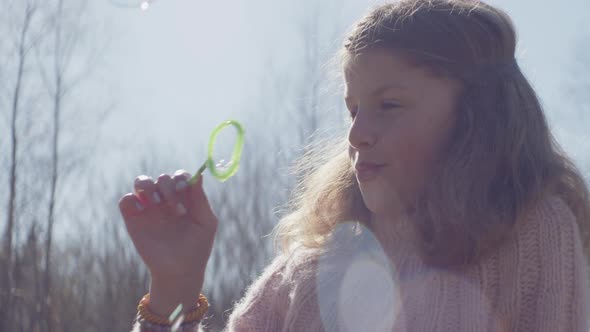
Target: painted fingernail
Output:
[
  {"x": 156, "y": 197},
  {"x": 139, "y": 206},
  {"x": 180, "y": 209},
  {"x": 181, "y": 185}
]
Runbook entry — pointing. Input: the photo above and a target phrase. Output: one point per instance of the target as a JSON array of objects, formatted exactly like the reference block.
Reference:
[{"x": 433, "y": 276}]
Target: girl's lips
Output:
[{"x": 367, "y": 173}]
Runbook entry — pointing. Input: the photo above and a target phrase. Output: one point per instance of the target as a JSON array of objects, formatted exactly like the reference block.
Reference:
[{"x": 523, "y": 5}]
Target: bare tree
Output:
[
  {"x": 23, "y": 46},
  {"x": 52, "y": 30},
  {"x": 62, "y": 53}
]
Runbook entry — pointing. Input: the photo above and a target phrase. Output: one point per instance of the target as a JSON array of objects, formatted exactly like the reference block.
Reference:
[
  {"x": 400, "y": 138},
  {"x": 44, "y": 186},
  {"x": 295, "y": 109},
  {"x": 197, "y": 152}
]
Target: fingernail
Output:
[
  {"x": 143, "y": 178},
  {"x": 181, "y": 185},
  {"x": 180, "y": 209},
  {"x": 138, "y": 206},
  {"x": 156, "y": 197},
  {"x": 182, "y": 172}
]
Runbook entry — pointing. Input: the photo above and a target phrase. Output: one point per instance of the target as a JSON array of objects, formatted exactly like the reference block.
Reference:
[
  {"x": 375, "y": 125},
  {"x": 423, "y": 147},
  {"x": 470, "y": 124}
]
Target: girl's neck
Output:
[{"x": 394, "y": 228}]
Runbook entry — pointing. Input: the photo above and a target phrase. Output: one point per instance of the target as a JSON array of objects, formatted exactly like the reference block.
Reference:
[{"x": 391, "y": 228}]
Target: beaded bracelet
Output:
[
  {"x": 196, "y": 315},
  {"x": 145, "y": 326}
]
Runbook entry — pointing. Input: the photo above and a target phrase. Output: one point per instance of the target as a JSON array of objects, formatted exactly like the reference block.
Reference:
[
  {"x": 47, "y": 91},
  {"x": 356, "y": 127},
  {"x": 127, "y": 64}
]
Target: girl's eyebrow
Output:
[
  {"x": 388, "y": 87},
  {"x": 380, "y": 90}
]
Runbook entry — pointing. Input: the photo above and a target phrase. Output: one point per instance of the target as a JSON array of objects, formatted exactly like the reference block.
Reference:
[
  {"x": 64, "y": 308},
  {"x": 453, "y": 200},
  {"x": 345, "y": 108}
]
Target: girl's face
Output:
[{"x": 402, "y": 117}]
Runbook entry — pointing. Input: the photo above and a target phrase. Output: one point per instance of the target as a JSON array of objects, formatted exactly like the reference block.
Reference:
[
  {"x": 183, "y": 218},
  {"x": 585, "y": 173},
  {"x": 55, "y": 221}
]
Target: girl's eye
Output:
[{"x": 386, "y": 105}]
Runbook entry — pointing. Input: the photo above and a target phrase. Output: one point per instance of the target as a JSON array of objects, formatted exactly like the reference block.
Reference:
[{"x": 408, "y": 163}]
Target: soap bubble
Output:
[
  {"x": 132, "y": 4},
  {"x": 223, "y": 166}
]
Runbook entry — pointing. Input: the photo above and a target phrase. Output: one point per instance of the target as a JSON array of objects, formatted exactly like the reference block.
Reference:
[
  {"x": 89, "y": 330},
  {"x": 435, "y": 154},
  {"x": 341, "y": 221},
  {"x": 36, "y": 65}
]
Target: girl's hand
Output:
[{"x": 173, "y": 228}]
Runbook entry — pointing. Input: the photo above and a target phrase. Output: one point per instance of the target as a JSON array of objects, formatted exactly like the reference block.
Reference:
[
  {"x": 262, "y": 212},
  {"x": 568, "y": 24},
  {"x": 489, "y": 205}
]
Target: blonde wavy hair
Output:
[{"x": 502, "y": 156}]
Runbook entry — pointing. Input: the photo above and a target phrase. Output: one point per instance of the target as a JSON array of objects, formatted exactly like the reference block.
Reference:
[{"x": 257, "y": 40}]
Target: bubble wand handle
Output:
[{"x": 195, "y": 177}]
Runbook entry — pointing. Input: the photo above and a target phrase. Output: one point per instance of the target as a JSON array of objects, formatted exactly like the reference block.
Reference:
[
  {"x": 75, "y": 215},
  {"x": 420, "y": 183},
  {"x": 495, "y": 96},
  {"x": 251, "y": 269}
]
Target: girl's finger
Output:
[
  {"x": 166, "y": 187},
  {"x": 147, "y": 191},
  {"x": 130, "y": 206},
  {"x": 180, "y": 179}
]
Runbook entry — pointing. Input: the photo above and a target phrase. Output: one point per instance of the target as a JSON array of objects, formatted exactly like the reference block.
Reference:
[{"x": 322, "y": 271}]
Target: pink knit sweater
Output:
[{"x": 537, "y": 281}]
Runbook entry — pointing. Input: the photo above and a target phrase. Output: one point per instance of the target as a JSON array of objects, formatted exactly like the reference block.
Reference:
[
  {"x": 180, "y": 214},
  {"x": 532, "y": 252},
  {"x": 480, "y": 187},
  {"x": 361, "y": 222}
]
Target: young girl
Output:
[{"x": 448, "y": 207}]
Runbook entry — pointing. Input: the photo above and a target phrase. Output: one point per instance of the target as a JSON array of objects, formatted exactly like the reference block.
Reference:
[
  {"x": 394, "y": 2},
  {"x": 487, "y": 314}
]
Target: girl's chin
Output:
[
  {"x": 375, "y": 206},
  {"x": 381, "y": 206}
]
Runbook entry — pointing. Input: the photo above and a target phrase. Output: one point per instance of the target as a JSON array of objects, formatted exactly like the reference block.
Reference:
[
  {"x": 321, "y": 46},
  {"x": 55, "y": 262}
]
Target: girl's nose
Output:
[{"x": 362, "y": 133}]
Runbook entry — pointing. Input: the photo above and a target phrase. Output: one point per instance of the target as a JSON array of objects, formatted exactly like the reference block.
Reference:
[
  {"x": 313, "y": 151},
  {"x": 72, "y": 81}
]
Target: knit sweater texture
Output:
[{"x": 537, "y": 280}]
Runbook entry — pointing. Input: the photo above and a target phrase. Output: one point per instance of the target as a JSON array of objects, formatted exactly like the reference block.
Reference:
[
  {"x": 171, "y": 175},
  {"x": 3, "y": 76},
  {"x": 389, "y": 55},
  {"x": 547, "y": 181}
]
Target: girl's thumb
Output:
[{"x": 201, "y": 210}]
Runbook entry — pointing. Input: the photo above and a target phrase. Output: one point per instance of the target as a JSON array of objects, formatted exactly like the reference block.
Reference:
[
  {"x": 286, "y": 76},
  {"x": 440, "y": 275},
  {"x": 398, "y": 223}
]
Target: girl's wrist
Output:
[{"x": 167, "y": 293}]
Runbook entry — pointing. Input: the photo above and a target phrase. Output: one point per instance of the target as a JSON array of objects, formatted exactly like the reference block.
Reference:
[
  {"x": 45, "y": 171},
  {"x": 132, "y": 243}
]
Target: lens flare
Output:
[
  {"x": 360, "y": 287},
  {"x": 364, "y": 279}
]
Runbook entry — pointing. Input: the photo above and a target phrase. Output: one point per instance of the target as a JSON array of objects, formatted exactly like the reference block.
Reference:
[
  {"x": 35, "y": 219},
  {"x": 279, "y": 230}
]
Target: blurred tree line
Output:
[{"x": 66, "y": 262}]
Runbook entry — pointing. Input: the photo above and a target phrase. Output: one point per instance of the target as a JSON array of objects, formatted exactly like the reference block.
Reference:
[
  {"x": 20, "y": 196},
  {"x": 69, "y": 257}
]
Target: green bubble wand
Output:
[{"x": 220, "y": 171}]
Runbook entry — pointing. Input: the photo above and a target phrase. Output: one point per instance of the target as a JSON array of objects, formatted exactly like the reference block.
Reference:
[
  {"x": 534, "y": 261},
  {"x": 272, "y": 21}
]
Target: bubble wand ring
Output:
[{"x": 222, "y": 175}]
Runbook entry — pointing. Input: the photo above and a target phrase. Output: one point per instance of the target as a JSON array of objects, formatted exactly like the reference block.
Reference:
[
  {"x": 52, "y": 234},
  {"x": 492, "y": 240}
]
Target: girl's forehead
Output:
[
  {"x": 379, "y": 68},
  {"x": 377, "y": 63},
  {"x": 378, "y": 71}
]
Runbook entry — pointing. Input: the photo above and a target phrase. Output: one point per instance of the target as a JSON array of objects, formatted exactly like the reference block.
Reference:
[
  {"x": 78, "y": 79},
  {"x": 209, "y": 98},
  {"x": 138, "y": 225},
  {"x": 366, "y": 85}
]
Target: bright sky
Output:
[{"x": 181, "y": 67}]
